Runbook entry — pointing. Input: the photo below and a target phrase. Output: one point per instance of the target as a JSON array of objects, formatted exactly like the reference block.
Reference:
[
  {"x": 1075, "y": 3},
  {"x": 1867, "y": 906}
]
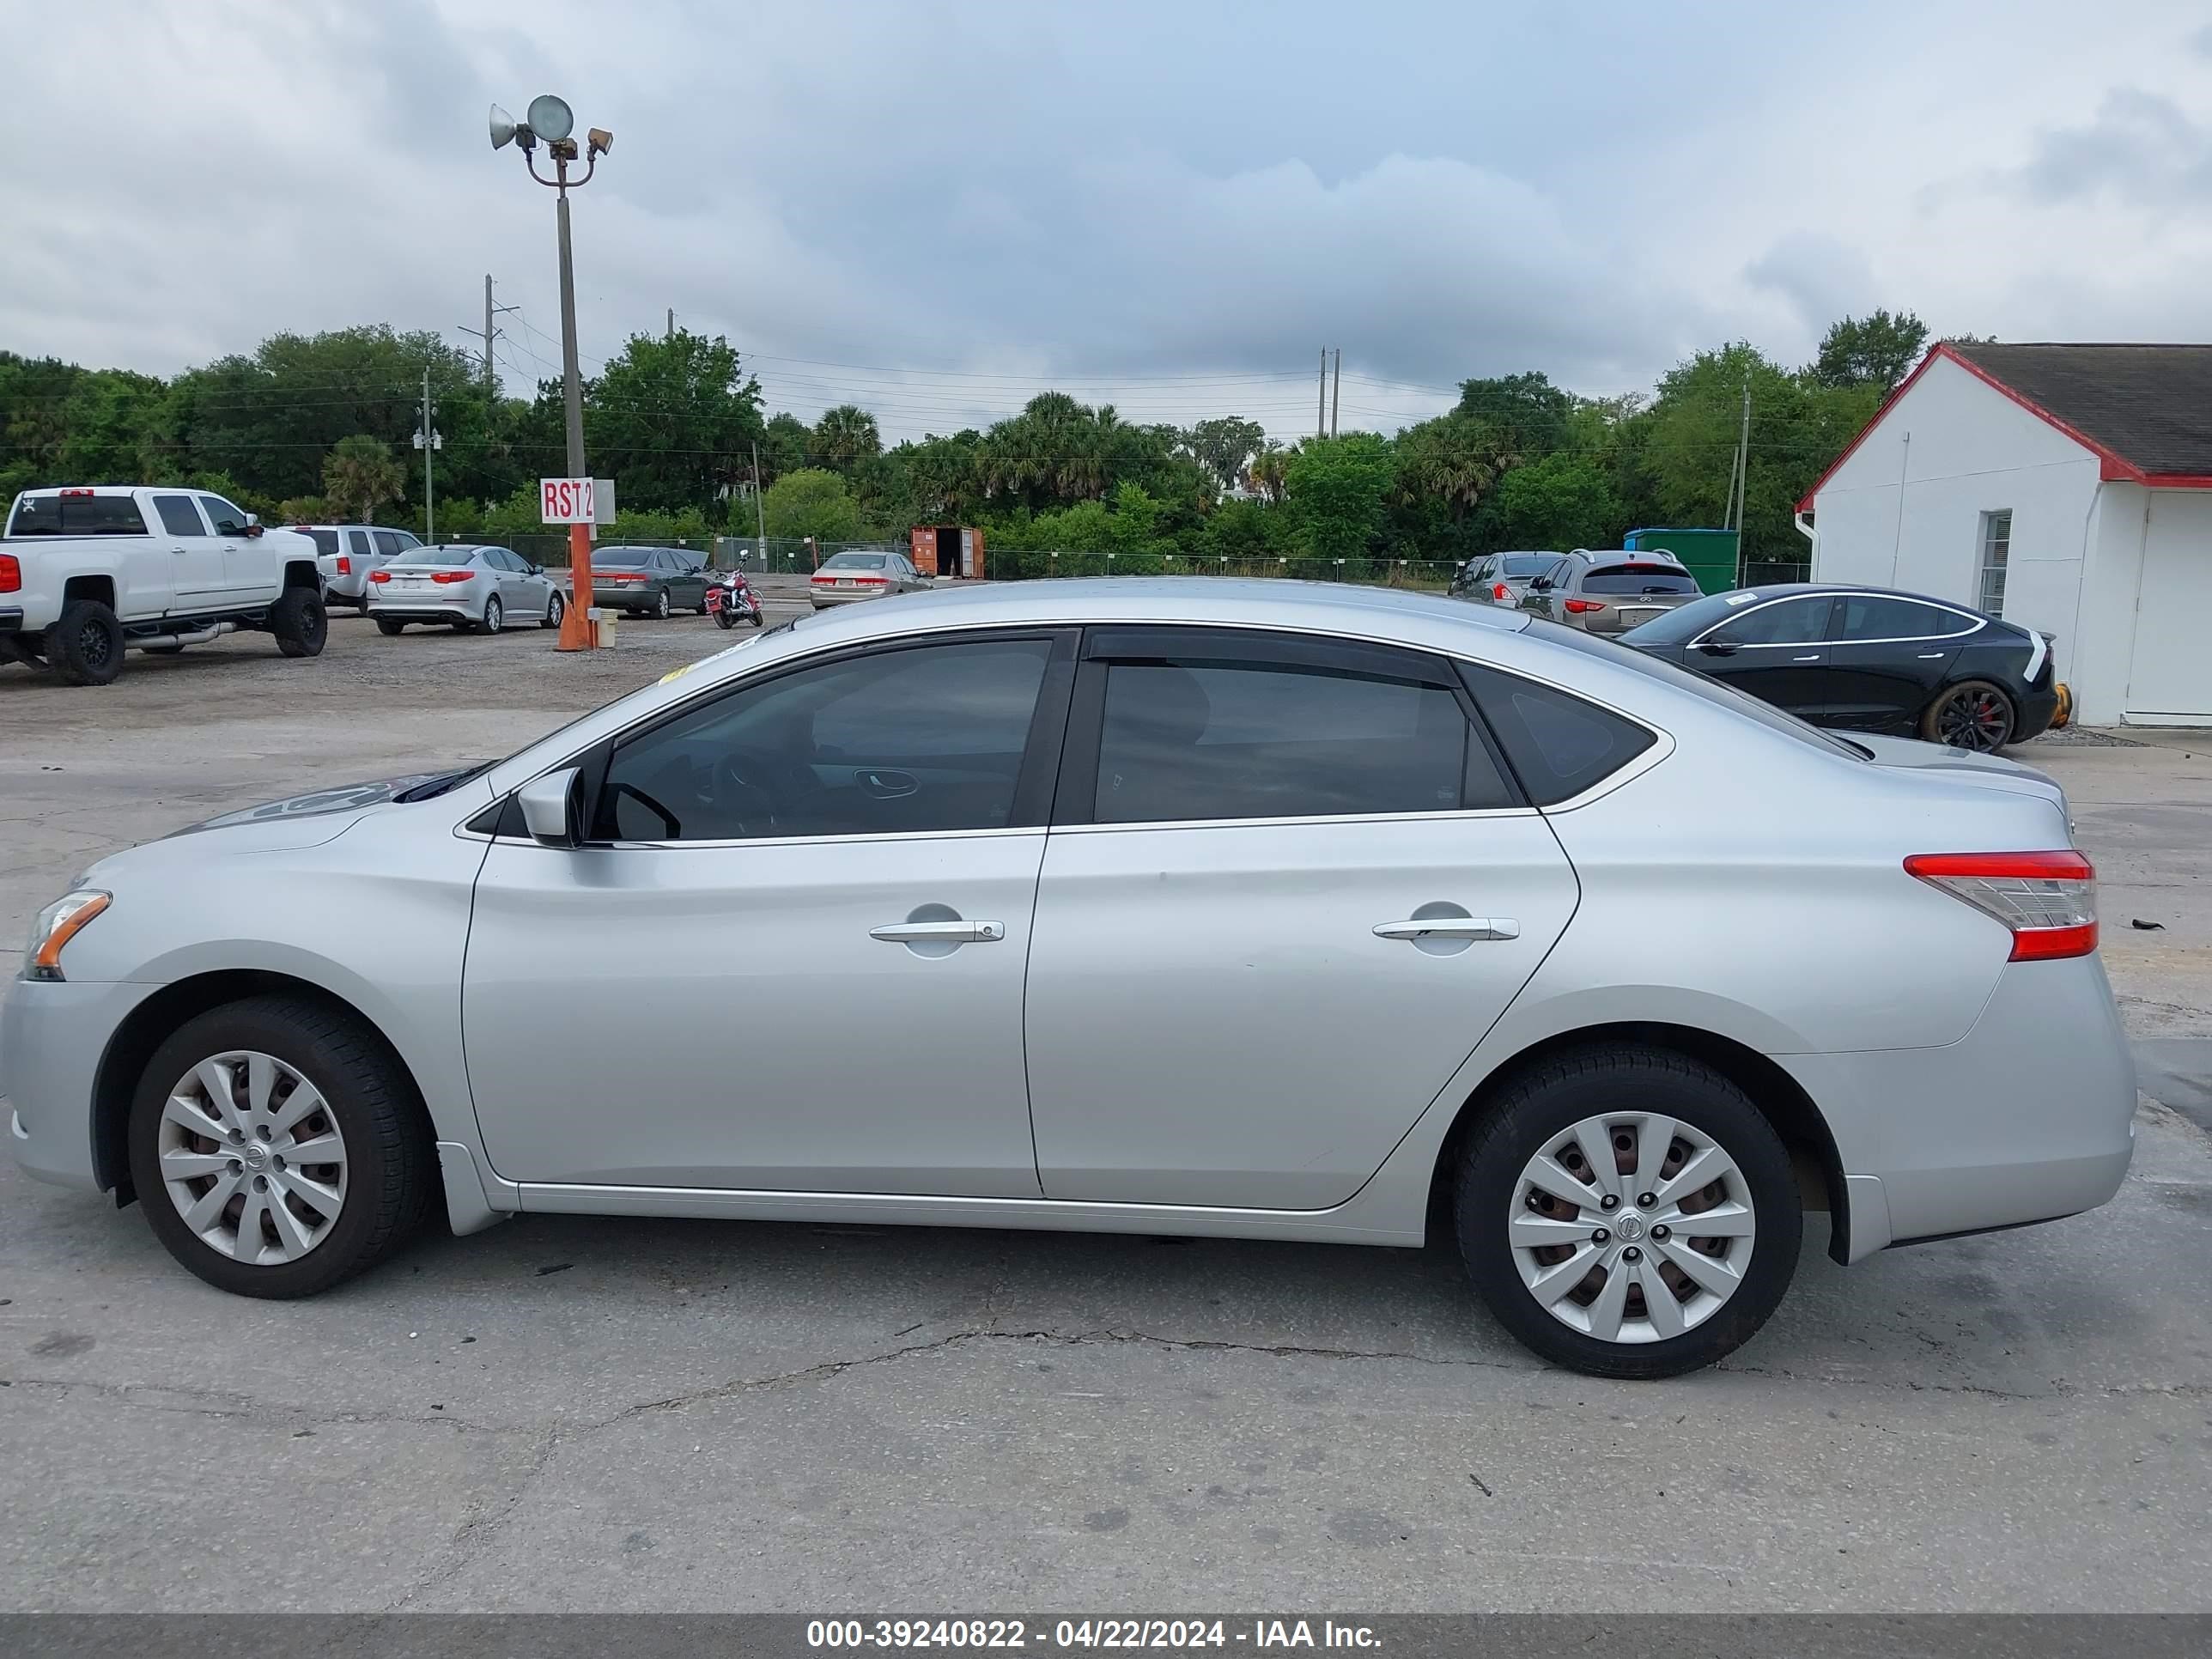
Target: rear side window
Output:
[
  {"x": 178, "y": 516},
  {"x": 357, "y": 543},
  {"x": 1559, "y": 744},
  {"x": 1193, "y": 739},
  {"x": 327, "y": 541},
  {"x": 1637, "y": 579},
  {"x": 387, "y": 542},
  {"x": 1877, "y": 616},
  {"x": 78, "y": 515}
]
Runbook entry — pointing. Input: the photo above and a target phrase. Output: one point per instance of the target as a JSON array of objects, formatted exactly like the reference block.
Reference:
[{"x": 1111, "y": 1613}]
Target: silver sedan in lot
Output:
[
  {"x": 481, "y": 589},
  {"x": 1186, "y": 906}
]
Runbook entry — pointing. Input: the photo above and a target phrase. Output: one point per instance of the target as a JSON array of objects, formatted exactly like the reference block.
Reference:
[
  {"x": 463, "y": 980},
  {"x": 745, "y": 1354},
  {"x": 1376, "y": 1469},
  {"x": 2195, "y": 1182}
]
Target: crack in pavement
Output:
[{"x": 473, "y": 1537}]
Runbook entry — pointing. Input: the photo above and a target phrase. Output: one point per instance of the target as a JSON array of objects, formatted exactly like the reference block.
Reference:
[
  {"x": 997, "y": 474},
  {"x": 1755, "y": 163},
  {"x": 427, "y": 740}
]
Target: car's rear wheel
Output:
[
  {"x": 389, "y": 626},
  {"x": 278, "y": 1147},
  {"x": 495, "y": 615},
  {"x": 299, "y": 622},
  {"x": 1628, "y": 1211},
  {"x": 85, "y": 644},
  {"x": 1973, "y": 715},
  {"x": 660, "y": 605}
]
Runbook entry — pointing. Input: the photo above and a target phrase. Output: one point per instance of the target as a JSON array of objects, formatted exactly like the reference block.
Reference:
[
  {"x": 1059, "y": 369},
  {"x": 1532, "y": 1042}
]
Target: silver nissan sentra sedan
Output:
[{"x": 1195, "y": 906}]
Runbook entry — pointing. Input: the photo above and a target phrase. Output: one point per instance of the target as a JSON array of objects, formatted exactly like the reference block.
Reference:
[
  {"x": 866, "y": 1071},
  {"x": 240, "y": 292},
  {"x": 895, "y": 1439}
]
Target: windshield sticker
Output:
[{"x": 1739, "y": 599}]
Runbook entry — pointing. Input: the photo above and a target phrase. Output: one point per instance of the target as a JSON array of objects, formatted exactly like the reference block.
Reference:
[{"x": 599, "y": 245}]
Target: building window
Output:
[{"x": 1996, "y": 544}]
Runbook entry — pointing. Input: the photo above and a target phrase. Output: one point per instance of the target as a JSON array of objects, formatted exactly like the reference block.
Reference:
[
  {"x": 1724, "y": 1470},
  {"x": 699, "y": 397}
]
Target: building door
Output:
[{"x": 2169, "y": 673}]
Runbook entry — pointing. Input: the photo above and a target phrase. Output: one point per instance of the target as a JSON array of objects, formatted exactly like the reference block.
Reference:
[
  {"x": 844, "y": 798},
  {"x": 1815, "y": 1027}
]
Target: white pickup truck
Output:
[{"x": 87, "y": 574}]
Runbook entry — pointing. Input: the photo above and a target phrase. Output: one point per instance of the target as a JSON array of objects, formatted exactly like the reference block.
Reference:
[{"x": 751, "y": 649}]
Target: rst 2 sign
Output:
[{"x": 567, "y": 500}]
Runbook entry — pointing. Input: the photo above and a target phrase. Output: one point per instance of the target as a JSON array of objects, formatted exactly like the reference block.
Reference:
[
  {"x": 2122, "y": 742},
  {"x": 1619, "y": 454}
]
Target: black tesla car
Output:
[{"x": 1867, "y": 659}]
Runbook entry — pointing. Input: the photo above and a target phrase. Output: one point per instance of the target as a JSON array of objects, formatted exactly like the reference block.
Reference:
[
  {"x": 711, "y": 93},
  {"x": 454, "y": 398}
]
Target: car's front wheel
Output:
[
  {"x": 1628, "y": 1211},
  {"x": 553, "y": 608},
  {"x": 278, "y": 1147}
]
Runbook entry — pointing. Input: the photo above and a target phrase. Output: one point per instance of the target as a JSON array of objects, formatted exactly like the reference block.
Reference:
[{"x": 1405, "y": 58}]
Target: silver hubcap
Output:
[
  {"x": 493, "y": 614},
  {"x": 252, "y": 1157},
  {"x": 553, "y": 608},
  {"x": 1633, "y": 1227}
]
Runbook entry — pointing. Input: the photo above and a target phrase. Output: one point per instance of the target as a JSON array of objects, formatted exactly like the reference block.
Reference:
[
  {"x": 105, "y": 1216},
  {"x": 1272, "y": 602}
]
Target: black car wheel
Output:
[
  {"x": 1974, "y": 716},
  {"x": 85, "y": 644}
]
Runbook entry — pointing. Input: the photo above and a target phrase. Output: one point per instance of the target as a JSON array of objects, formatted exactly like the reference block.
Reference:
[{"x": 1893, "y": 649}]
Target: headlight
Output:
[{"x": 58, "y": 924}]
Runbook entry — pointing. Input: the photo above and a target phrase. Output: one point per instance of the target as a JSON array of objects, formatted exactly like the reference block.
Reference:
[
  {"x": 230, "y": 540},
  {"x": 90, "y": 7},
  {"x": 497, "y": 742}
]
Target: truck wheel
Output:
[
  {"x": 85, "y": 644},
  {"x": 299, "y": 623}
]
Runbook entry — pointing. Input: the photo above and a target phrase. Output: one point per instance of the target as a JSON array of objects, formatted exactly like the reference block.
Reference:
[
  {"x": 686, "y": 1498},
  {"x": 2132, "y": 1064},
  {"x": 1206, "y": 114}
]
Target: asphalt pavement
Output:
[{"x": 571, "y": 1414}]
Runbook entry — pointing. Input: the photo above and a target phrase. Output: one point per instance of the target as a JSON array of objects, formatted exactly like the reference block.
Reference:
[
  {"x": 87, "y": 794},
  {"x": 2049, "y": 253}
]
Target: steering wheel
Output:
[{"x": 740, "y": 789}]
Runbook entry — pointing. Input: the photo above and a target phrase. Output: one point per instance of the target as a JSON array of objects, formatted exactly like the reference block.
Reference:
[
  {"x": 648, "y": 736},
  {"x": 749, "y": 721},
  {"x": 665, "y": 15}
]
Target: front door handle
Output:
[
  {"x": 1816, "y": 657},
  {"x": 1450, "y": 927},
  {"x": 939, "y": 932}
]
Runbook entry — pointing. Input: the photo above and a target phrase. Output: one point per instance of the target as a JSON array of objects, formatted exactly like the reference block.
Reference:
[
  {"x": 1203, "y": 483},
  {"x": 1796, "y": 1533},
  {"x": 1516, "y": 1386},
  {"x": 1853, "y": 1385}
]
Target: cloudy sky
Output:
[{"x": 936, "y": 207}]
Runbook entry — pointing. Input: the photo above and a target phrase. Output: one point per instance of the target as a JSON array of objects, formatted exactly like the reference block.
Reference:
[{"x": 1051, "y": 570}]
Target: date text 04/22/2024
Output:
[{"x": 1259, "y": 1635}]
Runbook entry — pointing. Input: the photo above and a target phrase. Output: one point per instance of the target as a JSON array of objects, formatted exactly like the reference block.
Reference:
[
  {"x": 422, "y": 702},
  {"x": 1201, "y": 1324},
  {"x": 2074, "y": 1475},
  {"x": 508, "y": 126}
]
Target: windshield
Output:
[
  {"x": 1697, "y": 685},
  {"x": 438, "y": 555},
  {"x": 1684, "y": 622},
  {"x": 76, "y": 515},
  {"x": 854, "y": 562},
  {"x": 1638, "y": 579}
]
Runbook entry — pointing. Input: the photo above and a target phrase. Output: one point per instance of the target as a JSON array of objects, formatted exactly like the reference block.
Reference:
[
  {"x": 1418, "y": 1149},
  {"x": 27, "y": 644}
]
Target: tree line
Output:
[{"x": 322, "y": 427}]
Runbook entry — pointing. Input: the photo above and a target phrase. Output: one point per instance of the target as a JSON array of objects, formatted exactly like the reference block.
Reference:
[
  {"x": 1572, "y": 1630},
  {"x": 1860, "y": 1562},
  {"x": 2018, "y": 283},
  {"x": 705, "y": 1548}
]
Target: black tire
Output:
[
  {"x": 299, "y": 622},
  {"x": 85, "y": 644},
  {"x": 495, "y": 616},
  {"x": 755, "y": 618},
  {"x": 389, "y": 626},
  {"x": 1973, "y": 715},
  {"x": 391, "y": 1155},
  {"x": 1554, "y": 1096},
  {"x": 661, "y": 606},
  {"x": 725, "y": 618},
  {"x": 553, "y": 609}
]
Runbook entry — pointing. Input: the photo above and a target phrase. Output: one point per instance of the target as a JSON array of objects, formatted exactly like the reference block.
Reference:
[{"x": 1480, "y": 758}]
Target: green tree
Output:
[
  {"x": 1528, "y": 413},
  {"x": 1225, "y": 446},
  {"x": 1559, "y": 501},
  {"x": 1339, "y": 491},
  {"x": 1876, "y": 349},
  {"x": 843, "y": 438},
  {"x": 813, "y": 502},
  {"x": 671, "y": 419},
  {"x": 358, "y": 476}
]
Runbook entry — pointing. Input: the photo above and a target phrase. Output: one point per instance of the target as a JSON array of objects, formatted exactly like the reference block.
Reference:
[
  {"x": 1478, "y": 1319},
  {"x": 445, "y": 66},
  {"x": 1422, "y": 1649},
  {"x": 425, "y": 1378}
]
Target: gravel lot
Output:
[{"x": 578, "y": 1414}]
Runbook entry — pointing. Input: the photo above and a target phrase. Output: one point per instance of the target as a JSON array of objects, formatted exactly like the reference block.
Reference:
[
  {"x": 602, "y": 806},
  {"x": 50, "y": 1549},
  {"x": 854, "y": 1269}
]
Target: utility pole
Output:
[
  {"x": 488, "y": 333},
  {"x": 1320, "y": 399},
  {"x": 671, "y": 322},
  {"x": 1740, "y": 478},
  {"x": 429, "y": 440},
  {"x": 760, "y": 509},
  {"x": 1336, "y": 392}
]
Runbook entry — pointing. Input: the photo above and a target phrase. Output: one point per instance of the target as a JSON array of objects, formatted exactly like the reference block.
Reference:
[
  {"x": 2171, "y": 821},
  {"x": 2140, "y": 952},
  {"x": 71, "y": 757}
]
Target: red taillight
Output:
[
  {"x": 1577, "y": 607},
  {"x": 379, "y": 575},
  {"x": 345, "y": 565},
  {"x": 2048, "y": 900},
  {"x": 820, "y": 578},
  {"x": 1501, "y": 591},
  {"x": 446, "y": 578},
  {"x": 11, "y": 573}
]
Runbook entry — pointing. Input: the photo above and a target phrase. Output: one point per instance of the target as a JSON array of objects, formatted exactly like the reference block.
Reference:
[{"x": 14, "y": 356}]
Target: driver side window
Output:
[
  {"x": 1792, "y": 622},
  {"x": 910, "y": 740}
]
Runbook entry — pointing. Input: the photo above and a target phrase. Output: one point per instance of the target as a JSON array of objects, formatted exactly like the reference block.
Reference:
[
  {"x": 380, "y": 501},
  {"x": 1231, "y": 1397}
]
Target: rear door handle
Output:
[
  {"x": 1451, "y": 927},
  {"x": 1816, "y": 657},
  {"x": 941, "y": 932}
]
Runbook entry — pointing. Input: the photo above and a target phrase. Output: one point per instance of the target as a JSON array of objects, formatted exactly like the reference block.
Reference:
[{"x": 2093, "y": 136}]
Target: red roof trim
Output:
[{"x": 2112, "y": 464}]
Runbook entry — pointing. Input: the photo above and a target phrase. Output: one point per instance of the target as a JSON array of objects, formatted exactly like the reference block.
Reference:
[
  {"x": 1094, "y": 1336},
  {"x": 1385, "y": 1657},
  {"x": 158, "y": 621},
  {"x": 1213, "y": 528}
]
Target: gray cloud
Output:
[
  {"x": 1821, "y": 277},
  {"x": 2142, "y": 148}
]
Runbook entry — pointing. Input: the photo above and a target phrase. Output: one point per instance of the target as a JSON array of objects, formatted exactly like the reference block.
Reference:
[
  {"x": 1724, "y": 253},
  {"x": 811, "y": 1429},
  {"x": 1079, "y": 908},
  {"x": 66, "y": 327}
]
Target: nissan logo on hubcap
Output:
[
  {"x": 1630, "y": 1227},
  {"x": 255, "y": 1156}
]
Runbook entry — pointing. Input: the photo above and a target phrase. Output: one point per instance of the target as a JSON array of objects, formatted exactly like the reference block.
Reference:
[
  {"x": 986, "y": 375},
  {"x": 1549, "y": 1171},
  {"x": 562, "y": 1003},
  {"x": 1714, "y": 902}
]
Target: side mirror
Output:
[
  {"x": 552, "y": 808},
  {"x": 1542, "y": 585},
  {"x": 252, "y": 525}
]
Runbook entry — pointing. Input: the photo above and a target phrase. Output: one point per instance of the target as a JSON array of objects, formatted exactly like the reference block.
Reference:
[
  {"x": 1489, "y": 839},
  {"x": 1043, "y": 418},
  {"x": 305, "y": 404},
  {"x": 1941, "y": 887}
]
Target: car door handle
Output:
[
  {"x": 941, "y": 933},
  {"x": 1450, "y": 927},
  {"x": 1934, "y": 656},
  {"x": 1816, "y": 657}
]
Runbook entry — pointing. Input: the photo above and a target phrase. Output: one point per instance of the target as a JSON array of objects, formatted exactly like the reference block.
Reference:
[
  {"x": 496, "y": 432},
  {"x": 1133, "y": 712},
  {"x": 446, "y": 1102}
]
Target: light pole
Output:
[
  {"x": 552, "y": 121},
  {"x": 429, "y": 440}
]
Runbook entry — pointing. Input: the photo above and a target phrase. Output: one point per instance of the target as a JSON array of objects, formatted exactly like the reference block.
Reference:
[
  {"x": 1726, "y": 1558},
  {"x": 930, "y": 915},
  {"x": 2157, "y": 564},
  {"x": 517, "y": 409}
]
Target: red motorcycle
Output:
[{"x": 731, "y": 600}]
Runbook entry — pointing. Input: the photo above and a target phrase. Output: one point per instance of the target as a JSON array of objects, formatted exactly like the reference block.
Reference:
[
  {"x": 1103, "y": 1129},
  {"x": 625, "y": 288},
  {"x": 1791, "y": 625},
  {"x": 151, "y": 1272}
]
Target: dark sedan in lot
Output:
[
  {"x": 648, "y": 580},
  {"x": 1866, "y": 660}
]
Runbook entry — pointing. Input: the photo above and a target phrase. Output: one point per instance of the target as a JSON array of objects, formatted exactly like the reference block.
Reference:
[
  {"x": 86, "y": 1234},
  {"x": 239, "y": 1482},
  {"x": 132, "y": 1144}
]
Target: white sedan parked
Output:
[{"x": 467, "y": 587}]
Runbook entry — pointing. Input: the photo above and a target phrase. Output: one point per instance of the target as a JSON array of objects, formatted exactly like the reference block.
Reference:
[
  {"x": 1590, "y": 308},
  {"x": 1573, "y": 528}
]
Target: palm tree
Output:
[
  {"x": 844, "y": 437},
  {"x": 1265, "y": 473},
  {"x": 358, "y": 476}
]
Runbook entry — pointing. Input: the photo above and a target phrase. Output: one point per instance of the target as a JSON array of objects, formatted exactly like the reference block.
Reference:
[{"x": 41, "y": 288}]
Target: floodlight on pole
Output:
[{"x": 551, "y": 120}]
